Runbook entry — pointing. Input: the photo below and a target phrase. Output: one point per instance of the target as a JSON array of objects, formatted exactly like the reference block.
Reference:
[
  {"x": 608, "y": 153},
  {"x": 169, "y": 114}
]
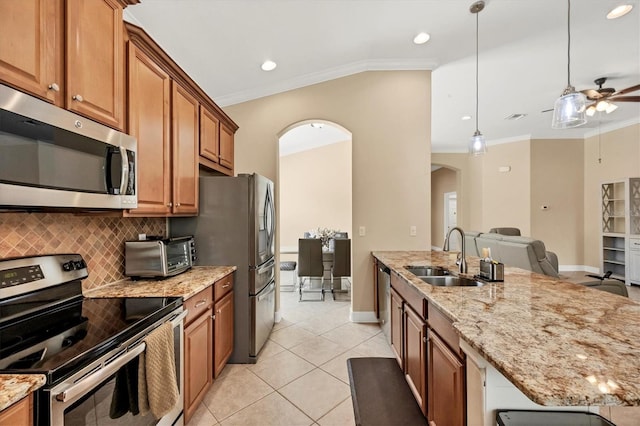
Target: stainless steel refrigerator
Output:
[{"x": 236, "y": 226}]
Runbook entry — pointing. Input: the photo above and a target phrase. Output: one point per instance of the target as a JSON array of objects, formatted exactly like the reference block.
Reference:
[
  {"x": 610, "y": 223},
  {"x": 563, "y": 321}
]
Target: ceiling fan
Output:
[{"x": 602, "y": 97}]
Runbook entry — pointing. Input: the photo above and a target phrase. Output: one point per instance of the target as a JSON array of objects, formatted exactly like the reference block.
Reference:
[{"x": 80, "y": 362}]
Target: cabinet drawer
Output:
[
  {"x": 223, "y": 286},
  {"x": 409, "y": 294},
  {"x": 443, "y": 326},
  {"x": 198, "y": 304},
  {"x": 634, "y": 244}
]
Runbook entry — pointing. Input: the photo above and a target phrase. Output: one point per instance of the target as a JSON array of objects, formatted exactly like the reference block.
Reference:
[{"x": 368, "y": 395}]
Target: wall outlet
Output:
[
  {"x": 142, "y": 237},
  {"x": 413, "y": 231},
  {"x": 362, "y": 231}
]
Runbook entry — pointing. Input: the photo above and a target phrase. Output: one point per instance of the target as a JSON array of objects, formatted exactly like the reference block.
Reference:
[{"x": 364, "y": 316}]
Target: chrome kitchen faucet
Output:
[{"x": 462, "y": 266}]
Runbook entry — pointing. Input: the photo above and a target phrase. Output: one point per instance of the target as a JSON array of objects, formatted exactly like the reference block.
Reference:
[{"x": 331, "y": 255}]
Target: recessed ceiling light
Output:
[
  {"x": 421, "y": 38},
  {"x": 268, "y": 66},
  {"x": 466, "y": 117},
  {"x": 619, "y": 11}
]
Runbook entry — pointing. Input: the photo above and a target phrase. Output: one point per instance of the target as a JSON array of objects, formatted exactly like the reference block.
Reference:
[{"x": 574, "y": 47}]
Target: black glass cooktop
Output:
[{"x": 44, "y": 335}]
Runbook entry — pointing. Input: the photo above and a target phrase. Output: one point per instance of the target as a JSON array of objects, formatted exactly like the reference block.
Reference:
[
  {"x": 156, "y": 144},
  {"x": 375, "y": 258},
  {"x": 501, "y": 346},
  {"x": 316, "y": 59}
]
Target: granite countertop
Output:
[
  {"x": 14, "y": 387},
  {"x": 184, "y": 285},
  {"x": 561, "y": 344}
]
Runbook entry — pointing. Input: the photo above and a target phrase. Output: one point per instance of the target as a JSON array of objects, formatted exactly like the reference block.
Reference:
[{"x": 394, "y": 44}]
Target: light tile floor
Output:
[{"x": 301, "y": 375}]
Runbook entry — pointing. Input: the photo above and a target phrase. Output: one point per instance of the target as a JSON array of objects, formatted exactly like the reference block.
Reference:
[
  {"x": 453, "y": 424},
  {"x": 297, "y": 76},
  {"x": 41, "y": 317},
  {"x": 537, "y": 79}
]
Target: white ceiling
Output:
[{"x": 522, "y": 63}]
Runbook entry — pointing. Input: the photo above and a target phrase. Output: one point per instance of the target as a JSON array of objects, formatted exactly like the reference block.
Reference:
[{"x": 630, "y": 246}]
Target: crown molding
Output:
[{"x": 326, "y": 75}]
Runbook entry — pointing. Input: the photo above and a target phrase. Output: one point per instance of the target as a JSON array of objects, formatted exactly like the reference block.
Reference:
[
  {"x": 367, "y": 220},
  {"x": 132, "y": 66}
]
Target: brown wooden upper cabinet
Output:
[
  {"x": 216, "y": 143},
  {"x": 150, "y": 123},
  {"x": 68, "y": 52},
  {"x": 184, "y": 153}
]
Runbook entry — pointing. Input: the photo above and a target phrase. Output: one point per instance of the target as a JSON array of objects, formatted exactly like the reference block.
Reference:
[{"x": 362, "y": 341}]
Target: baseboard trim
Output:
[
  {"x": 277, "y": 317},
  {"x": 363, "y": 316},
  {"x": 579, "y": 268}
]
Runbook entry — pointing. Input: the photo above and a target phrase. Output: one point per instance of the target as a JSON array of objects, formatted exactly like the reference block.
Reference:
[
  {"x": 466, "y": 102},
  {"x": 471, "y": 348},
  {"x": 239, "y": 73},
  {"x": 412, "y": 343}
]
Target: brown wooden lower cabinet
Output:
[
  {"x": 446, "y": 380},
  {"x": 223, "y": 333},
  {"x": 18, "y": 414},
  {"x": 396, "y": 327},
  {"x": 198, "y": 365},
  {"x": 415, "y": 356}
]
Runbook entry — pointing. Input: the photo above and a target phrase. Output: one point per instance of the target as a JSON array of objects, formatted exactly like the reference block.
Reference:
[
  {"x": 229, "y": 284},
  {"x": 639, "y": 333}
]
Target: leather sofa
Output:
[
  {"x": 528, "y": 253},
  {"x": 521, "y": 252}
]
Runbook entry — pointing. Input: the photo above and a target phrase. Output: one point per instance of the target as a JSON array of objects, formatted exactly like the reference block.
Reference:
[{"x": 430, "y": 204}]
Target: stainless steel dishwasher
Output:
[{"x": 384, "y": 300}]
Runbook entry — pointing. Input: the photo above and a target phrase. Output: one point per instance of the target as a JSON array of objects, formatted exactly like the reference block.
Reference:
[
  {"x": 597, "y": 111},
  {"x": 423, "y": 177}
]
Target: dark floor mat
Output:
[{"x": 381, "y": 395}]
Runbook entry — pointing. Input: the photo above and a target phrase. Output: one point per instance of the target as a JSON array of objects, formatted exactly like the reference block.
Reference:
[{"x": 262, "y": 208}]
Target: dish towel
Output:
[
  {"x": 157, "y": 384},
  {"x": 125, "y": 392}
]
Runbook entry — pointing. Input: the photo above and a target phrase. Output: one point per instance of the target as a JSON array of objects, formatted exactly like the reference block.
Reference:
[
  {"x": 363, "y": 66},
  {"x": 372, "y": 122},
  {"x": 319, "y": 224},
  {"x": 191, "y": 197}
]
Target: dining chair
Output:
[
  {"x": 341, "y": 267},
  {"x": 310, "y": 266}
]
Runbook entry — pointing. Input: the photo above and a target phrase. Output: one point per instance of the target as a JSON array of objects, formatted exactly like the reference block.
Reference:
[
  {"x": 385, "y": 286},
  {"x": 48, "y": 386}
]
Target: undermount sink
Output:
[
  {"x": 427, "y": 271},
  {"x": 451, "y": 281}
]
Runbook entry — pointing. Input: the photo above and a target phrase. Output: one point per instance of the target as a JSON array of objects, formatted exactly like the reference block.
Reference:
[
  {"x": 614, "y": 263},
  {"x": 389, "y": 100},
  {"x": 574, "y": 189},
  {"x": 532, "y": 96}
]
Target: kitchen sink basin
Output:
[
  {"x": 451, "y": 281},
  {"x": 427, "y": 271}
]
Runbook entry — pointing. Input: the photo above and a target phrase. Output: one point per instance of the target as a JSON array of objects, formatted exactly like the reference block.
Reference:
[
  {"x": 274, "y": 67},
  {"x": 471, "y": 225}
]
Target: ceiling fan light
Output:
[
  {"x": 591, "y": 111},
  {"x": 611, "y": 108},
  {"x": 477, "y": 144},
  {"x": 619, "y": 11},
  {"x": 602, "y": 106},
  {"x": 569, "y": 110}
]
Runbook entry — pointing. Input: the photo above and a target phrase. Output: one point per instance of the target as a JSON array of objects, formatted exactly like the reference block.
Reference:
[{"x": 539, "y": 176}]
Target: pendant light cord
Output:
[
  {"x": 568, "y": 42},
  {"x": 477, "y": 96}
]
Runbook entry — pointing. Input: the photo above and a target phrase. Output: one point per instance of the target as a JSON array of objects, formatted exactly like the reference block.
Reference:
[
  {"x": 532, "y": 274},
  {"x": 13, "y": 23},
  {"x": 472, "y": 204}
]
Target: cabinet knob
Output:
[
  {"x": 424, "y": 339},
  {"x": 78, "y": 98},
  {"x": 177, "y": 204},
  {"x": 54, "y": 87},
  {"x": 170, "y": 205},
  {"x": 213, "y": 317}
]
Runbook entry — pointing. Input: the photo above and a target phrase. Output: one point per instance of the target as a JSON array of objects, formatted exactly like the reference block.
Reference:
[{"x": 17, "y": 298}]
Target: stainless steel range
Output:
[{"x": 81, "y": 345}]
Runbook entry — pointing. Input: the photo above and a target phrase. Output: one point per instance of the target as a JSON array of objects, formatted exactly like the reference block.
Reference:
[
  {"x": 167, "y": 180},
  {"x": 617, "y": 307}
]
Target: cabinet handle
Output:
[
  {"x": 54, "y": 87},
  {"x": 226, "y": 285},
  {"x": 78, "y": 98},
  {"x": 201, "y": 302}
]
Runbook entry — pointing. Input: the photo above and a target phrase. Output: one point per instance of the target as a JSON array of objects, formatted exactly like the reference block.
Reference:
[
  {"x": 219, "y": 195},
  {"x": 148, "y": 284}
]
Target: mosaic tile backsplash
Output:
[{"x": 99, "y": 239}]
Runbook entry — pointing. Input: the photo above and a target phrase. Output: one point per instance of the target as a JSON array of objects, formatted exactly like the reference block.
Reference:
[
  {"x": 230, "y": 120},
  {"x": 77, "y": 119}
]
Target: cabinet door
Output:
[
  {"x": 31, "y": 58},
  {"x": 95, "y": 60},
  {"x": 415, "y": 356},
  {"x": 18, "y": 414},
  {"x": 185, "y": 113},
  {"x": 149, "y": 121},
  {"x": 198, "y": 374},
  {"x": 223, "y": 333},
  {"x": 209, "y": 135},
  {"x": 226, "y": 147},
  {"x": 396, "y": 326},
  {"x": 445, "y": 378}
]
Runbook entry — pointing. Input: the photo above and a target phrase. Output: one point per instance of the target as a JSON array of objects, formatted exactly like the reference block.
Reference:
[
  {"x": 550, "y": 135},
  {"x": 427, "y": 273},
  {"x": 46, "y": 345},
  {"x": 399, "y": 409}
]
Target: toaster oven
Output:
[{"x": 159, "y": 258}]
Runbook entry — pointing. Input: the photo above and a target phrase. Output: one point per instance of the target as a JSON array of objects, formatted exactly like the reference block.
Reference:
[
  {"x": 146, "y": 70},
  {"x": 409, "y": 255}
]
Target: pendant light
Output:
[
  {"x": 477, "y": 144},
  {"x": 569, "y": 109}
]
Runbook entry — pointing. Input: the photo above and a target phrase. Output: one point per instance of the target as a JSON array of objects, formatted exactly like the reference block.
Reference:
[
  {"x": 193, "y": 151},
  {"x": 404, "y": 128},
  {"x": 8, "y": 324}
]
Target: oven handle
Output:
[{"x": 94, "y": 379}]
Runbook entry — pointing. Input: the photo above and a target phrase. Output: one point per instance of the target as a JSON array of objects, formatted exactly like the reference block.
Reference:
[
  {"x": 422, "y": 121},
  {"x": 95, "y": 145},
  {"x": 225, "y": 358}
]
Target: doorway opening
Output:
[
  {"x": 445, "y": 205},
  {"x": 314, "y": 189}
]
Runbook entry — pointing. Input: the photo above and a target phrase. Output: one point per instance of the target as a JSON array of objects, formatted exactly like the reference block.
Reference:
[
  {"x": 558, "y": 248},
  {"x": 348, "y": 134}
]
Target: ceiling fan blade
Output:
[
  {"x": 628, "y": 90},
  {"x": 592, "y": 94},
  {"x": 625, "y": 98},
  {"x": 547, "y": 110}
]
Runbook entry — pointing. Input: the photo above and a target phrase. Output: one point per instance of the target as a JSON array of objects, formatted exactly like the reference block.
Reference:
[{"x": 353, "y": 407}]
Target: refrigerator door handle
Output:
[
  {"x": 267, "y": 291},
  {"x": 269, "y": 264}
]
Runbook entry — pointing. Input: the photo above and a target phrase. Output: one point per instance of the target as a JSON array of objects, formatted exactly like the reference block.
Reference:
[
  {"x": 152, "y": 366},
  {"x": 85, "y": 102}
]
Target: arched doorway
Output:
[{"x": 314, "y": 185}]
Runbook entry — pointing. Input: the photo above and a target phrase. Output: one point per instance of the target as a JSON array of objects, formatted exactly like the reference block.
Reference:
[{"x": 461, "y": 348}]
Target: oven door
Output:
[{"x": 89, "y": 399}]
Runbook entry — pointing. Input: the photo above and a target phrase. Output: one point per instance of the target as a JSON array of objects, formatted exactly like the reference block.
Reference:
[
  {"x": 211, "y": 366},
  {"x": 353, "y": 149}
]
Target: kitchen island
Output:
[{"x": 559, "y": 343}]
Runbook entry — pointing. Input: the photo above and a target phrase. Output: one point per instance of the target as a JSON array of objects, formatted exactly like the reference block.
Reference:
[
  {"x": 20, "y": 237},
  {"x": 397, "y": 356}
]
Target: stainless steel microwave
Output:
[{"x": 50, "y": 157}]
